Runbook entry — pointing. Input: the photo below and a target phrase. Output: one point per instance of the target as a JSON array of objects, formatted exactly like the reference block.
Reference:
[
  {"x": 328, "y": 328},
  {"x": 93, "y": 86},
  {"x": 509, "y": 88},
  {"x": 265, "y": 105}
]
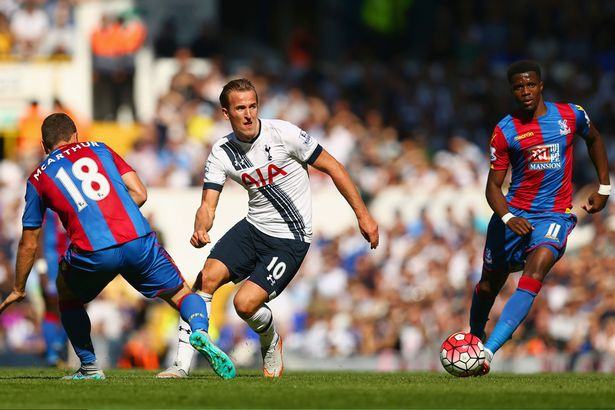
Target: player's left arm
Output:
[
  {"x": 136, "y": 189},
  {"x": 330, "y": 166},
  {"x": 597, "y": 152},
  {"x": 26, "y": 255}
]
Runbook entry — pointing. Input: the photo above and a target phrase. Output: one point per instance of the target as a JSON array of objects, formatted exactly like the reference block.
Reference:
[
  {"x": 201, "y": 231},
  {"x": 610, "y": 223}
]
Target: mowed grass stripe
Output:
[{"x": 41, "y": 388}]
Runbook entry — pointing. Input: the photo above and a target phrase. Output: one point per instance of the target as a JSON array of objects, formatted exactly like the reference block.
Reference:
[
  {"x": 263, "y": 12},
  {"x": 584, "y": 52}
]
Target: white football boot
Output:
[
  {"x": 174, "y": 371},
  {"x": 273, "y": 365}
]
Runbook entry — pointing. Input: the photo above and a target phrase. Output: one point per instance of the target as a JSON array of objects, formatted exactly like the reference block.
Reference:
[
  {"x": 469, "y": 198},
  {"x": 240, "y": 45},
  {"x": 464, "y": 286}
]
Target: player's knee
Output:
[
  {"x": 246, "y": 305},
  {"x": 210, "y": 282},
  {"x": 64, "y": 293},
  {"x": 484, "y": 286},
  {"x": 535, "y": 274}
]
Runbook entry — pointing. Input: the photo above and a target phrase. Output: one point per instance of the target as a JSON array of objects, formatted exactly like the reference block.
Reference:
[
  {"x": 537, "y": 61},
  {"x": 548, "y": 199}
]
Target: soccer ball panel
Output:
[{"x": 462, "y": 354}]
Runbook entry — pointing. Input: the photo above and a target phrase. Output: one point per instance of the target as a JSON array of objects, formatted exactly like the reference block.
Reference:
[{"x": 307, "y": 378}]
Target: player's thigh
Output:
[
  {"x": 539, "y": 262},
  {"x": 86, "y": 274},
  {"x": 279, "y": 261},
  {"x": 150, "y": 269},
  {"x": 213, "y": 275},
  {"x": 504, "y": 250},
  {"x": 236, "y": 250},
  {"x": 548, "y": 242},
  {"x": 551, "y": 231}
]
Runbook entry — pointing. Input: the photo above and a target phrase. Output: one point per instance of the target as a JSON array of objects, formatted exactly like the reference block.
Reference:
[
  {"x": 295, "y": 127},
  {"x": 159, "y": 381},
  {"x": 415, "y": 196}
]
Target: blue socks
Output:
[
  {"x": 193, "y": 310},
  {"x": 515, "y": 310},
  {"x": 482, "y": 302},
  {"x": 77, "y": 324}
]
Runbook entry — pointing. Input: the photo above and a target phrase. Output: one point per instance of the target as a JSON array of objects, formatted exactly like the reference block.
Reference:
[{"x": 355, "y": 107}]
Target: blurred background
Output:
[{"x": 404, "y": 93}]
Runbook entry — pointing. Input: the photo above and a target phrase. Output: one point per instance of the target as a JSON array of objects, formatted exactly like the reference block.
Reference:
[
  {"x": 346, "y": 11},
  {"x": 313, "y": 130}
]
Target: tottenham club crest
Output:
[
  {"x": 268, "y": 151},
  {"x": 564, "y": 129},
  {"x": 305, "y": 137}
]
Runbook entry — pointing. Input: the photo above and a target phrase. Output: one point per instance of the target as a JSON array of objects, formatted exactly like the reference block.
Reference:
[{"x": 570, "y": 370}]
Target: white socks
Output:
[
  {"x": 262, "y": 323},
  {"x": 185, "y": 352}
]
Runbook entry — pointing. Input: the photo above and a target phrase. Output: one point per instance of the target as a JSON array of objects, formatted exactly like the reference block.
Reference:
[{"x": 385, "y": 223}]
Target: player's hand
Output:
[
  {"x": 520, "y": 226},
  {"x": 13, "y": 297},
  {"x": 595, "y": 203},
  {"x": 200, "y": 238},
  {"x": 369, "y": 230}
]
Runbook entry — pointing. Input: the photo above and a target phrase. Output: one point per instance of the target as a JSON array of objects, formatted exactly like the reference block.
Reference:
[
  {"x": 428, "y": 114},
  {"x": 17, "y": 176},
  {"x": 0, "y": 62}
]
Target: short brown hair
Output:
[
  {"x": 239, "y": 84},
  {"x": 57, "y": 127}
]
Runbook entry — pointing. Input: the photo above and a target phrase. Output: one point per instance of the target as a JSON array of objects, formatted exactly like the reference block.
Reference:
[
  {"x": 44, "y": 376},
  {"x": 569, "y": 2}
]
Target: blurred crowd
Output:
[
  {"x": 420, "y": 124},
  {"x": 35, "y": 29}
]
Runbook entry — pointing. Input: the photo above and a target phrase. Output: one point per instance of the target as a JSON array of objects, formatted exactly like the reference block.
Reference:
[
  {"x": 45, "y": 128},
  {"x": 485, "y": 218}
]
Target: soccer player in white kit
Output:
[{"x": 269, "y": 158}]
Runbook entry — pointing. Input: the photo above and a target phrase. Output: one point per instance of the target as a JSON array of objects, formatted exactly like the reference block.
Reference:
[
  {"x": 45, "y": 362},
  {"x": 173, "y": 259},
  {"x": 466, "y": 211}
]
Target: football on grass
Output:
[{"x": 462, "y": 354}]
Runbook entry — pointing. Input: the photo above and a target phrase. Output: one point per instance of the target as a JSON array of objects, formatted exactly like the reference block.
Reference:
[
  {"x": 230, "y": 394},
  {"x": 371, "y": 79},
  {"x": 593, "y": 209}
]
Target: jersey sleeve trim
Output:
[
  {"x": 119, "y": 162},
  {"x": 317, "y": 151},
  {"x": 499, "y": 150},
  {"x": 212, "y": 185},
  {"x": 34, "y": 210}
]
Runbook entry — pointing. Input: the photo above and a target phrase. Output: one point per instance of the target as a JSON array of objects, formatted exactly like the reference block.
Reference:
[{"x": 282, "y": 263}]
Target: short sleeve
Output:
[
  {"x": 300, "y": 144},
  {"x": 499, "y": 151},
  {"x": 119, "y": 162},
  {"x": 215, "y": 173},
  {"x": 581, "y": 119},
  {"x": 34, "y": 210}
]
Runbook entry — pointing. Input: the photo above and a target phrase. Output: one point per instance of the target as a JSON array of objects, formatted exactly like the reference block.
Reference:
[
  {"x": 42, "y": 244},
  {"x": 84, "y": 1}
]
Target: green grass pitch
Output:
[{"x": 41, "y": 389}]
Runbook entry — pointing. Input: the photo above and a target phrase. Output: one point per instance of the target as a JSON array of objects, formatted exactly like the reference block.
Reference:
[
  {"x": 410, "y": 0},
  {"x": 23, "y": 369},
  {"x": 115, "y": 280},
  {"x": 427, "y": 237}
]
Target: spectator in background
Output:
[
  {"x": 29, "y": 130},
  {"x": 166, "y": 42},
  {"x": 29, "y": 25},
  {"x": 6, "y": 37},
  {"x": 114, "y": 45},
  {"x": 60, "y": 41}
]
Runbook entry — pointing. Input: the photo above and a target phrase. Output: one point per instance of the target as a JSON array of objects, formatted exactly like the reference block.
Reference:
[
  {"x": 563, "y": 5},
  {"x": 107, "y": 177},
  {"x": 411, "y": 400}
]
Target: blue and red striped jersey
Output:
[
  {"x": 540, "y": 153},
  {"x": 82, "y": 183}
]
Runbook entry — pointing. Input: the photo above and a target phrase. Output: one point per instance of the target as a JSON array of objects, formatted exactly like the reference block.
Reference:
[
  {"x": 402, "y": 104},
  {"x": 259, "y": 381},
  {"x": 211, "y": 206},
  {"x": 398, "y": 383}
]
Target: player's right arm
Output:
[
  {"x": 32, "y": 222},
  {"x": 493, "y": 191},
  {"x": 204, "y": 219},
  {"x": 215, "y": 176},
  {"x": 26, "y": 255}
]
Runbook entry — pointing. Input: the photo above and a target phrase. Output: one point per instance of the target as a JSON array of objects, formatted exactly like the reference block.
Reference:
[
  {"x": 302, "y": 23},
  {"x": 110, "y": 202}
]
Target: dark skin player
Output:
[{"x": 527, "y": 89}]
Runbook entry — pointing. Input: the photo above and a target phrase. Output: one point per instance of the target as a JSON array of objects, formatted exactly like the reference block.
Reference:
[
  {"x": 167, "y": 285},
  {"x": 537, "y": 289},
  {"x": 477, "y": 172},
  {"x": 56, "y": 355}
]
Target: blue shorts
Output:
[
  {"x": 269, "y": 262},
  {"x": 505, "y": 251},
  {"x": 142, "y": 262}
]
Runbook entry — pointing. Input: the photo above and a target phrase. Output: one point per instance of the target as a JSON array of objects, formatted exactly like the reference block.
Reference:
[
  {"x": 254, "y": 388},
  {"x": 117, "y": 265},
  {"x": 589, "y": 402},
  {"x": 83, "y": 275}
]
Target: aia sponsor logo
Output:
[
  {"x": 261, "y": 177},
  {"x": 542, "y": 157}
]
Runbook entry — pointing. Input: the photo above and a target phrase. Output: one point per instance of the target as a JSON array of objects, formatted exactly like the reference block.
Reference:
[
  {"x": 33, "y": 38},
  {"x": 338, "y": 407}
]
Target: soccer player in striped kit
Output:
[
  {"x": 530, "y": 226},
  {"x": 269, "y": 158},
  {"x": 97, "y": 197}
]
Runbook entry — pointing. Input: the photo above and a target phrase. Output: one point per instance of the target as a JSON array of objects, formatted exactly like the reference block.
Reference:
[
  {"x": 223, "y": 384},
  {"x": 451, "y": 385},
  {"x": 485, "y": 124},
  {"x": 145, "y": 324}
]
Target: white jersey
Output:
[{"x": 273, "y": 169}]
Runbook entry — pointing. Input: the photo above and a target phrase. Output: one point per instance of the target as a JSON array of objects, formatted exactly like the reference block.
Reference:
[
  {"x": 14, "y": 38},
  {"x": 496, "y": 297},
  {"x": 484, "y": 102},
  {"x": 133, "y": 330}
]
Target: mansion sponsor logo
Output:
[{"x": 543, "y": 157}]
